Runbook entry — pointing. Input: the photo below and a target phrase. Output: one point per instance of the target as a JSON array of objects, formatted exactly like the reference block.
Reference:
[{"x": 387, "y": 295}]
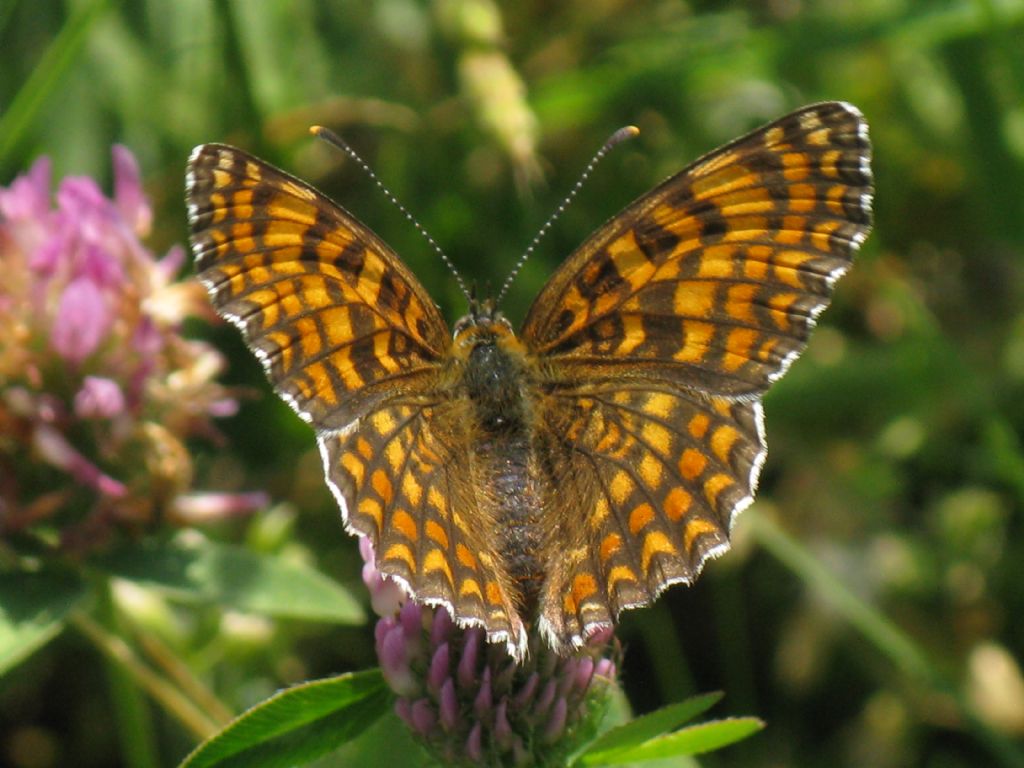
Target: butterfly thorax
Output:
[{"x": 495, "y": 377}]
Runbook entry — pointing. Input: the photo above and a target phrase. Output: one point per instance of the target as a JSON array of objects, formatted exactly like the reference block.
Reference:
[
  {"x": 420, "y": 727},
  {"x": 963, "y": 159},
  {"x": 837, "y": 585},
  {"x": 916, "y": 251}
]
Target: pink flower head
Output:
[
  {"x": 82, "y": 321},
  {"x": 99, "y": 398},
  {"x": 92, "y": 334},
  {"x": 28, "y": 197},
  {"x": 465, "y": 699},
  {"x": 128, "y": 195}
]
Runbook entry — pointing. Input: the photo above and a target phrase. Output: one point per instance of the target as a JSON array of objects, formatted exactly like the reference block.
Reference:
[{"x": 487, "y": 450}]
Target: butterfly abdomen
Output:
[{"x": 496, "y": 380}]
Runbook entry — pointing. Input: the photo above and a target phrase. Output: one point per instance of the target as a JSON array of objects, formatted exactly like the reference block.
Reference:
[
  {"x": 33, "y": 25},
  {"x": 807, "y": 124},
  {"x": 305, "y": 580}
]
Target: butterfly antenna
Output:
[
  {"x": 335, "y": 140},
  {"x": 621, "y": 135}
]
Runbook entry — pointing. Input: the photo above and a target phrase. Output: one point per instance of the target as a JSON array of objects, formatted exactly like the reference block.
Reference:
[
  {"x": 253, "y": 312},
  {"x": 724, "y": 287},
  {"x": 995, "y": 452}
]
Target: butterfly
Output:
[{"x": 546, "y": 480}]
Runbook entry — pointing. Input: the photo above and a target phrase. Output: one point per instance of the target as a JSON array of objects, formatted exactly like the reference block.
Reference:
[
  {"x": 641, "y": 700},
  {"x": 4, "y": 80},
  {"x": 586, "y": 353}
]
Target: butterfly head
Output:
[{"x": 484, "y": 317}]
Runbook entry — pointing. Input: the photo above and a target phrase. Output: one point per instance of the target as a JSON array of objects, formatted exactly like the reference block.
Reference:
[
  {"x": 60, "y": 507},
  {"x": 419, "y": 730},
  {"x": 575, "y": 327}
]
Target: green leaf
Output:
[
  {"x": 33, "y": 608},
  {"x": 647, "y": 727},
  {"x": 694, "y": 740},
  {"x": 388, "y": 743},
  {"x": 297, "y": 725},
  {"x": 238, "y": 578}
]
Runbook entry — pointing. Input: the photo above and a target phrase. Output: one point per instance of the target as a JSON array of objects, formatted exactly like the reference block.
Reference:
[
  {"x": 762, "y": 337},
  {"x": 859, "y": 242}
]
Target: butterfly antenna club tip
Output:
[
  {"x": 339, "y": 143},
  {"x": 623, "y": 134}
]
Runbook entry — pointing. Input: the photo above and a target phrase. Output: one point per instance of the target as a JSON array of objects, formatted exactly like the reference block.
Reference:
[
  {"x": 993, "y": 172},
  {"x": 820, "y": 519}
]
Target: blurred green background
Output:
[{"x": 872, "y": 609}]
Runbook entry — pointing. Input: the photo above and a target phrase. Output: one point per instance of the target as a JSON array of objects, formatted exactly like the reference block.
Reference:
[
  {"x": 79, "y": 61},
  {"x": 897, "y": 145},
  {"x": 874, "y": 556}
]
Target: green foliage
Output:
[
  {"x": 298, "y": 725},
  {"x": 654, "y": 736},
  {"x": 872, "y": 610},
  {"x": 35, "y": 608},
  {"x": 203, "y": 571}
]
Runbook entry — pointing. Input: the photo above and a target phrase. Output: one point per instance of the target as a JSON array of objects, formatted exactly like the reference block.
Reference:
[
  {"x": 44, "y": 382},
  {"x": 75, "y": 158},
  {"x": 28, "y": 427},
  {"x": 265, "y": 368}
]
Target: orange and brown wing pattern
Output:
[
  {"x": 714, "y": 279},
  {"x": 659, "y": 476},
  {"x": 352, "y": 342},
  {"x": 410, "y": 469},
  {"x": 657, "y": 338},
  {"x": 334, "y": 316}
]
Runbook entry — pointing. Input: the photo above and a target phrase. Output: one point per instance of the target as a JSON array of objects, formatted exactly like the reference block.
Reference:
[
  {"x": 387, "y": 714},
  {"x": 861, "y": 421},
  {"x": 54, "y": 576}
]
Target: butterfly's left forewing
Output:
[{"x": 661, "y": 332}]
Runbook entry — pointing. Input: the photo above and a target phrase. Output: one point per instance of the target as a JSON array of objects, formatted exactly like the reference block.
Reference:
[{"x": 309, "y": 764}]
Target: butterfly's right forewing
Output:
[{"x": 337, "y": 320}]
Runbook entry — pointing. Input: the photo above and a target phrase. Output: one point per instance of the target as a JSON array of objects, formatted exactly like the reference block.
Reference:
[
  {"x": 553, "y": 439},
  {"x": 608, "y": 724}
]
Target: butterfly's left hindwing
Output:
[{"x": 648, "y": 481}]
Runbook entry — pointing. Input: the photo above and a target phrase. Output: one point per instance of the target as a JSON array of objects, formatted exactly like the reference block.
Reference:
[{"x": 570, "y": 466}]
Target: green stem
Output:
[
  {"x": 240, "y": 91},
  {"x": 132, "y": 718},
  {"x": 879, "y": 630},
  {"x": 182, "y": 676},
  {"x": 671, "y": 670},
  {"x": 124, "y": 658},
  {"x": 55, "y": 61}
]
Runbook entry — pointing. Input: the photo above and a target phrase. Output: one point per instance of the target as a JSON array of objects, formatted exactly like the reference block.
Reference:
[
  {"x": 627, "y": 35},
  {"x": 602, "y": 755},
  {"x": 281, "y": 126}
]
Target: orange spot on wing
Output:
[
  {"x": 383, "y": 422},
  {"x": 835, "y": 197},
  {"x": 739, "y": 342},
  {"x": 621, "y": 486},
  {"x": 402, "y": 522},
  {"x": 403, "y": 553},
  {"x": 821, "y": 237},
  {"x": 695, "y": 527},
  {"x": 583, "y": 586},
  {"x": 781, "y": 305},
  {"x": 650, "y": 470},
  {"x": 677, "y": 503},
  {"x": 351, "y": 463},
  {"x": 722, "y": 441},
  {"x": 696, "y": 340},
  {"x": 493, "y": 592},
  {"x": 364, "y": 448},
  {"x": 309, "y": 337},
  {"x": 337, "y": 324},
  {"x": 381, "y": 483},
  {"x": 655, "y": 543},
  {"x": 659, "y": 405},
  {"x": 695, "y": 299},
  {"x": 610, "y": 440},
  {"x": 739, "y": 303},
  {"x": 714, "y": 485},
  {"x": 465, "y": 556},
  {"x": 320, "y": 383},
  {"x": 435, "y": 561},
  {"x": 692, "y": 463},
  {"x": 372, "y": 509},
  {"x": 830, "y": 163},
  {"x": 717, "y": 262},
  {"x": 412, "y": 489},
  {"x": 609, "y": 546},
  {"x": 470, "y": 586},
  {"x": 633, "y": 334},
  {"x": 436, "y": 533},
  {"x": 617, "y": 574},
  {"x": 656, "y": 436},
  {"x": 640, "y": 517},
  {"x": 698, "y": 425}
]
